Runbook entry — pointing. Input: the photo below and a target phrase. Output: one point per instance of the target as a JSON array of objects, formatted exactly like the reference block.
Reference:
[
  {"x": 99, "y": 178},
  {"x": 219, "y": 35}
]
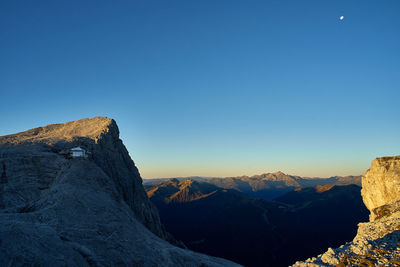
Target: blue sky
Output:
[{"x": 214, "y": 88}]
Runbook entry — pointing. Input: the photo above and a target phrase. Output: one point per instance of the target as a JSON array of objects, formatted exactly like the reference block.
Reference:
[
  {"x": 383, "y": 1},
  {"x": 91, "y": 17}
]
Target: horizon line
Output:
[{"x": 221, "y": 177}]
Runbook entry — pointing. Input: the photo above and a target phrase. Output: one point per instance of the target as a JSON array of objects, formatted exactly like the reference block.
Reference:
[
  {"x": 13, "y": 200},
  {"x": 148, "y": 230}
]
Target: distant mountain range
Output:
[
  {"x": 268, "y": 185},
  {"x": 228, "y": 223}
]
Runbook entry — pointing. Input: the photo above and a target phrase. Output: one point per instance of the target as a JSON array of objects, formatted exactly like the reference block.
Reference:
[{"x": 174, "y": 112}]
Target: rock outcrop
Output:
[
  {"x": 56, "y": 210},
  {"x": 377, "y": 242},
  {"x": 381, "y": 184}
]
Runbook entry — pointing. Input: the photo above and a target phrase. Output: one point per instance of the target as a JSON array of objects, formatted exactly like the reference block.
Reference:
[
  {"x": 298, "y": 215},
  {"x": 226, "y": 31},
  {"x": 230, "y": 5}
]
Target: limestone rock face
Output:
[
  {"x": 381, "y": 183},
  {"x": 26, "y": 153},
  {"x": 377, "y": 242},
  {"x": 61, "y": 211}
]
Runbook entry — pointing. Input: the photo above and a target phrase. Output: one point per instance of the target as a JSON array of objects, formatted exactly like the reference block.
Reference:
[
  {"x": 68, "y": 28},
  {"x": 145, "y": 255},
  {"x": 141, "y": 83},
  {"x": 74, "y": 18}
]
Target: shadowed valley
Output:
[{"x": 254, "y": 231}]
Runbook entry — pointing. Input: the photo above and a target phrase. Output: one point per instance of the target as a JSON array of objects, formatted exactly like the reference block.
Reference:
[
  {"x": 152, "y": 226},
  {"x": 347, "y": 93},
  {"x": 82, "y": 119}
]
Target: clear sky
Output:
[{"x": 212, "y": 88}]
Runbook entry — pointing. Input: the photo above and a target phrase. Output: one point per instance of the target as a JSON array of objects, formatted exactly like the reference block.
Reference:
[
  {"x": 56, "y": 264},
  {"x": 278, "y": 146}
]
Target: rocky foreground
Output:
[
  {"x": 377, "y": 242},
  {"x": 61, "y": 211}
]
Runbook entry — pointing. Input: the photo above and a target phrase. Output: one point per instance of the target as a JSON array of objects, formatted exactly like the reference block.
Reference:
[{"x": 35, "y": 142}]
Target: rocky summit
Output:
[
  {"x": 70, "y": 195},
  {"x": 377, "y": 242}
]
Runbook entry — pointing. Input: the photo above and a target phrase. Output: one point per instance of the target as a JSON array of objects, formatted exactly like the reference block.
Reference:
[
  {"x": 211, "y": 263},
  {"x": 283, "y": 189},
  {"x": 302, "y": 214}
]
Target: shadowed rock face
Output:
[{"x": 55, "y": 210}]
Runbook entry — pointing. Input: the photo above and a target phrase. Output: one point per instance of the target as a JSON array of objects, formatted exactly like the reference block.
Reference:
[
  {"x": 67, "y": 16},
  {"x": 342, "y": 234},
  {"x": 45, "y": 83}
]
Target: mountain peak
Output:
[
  {"x": 91, "y": 128},
  {"x": 177, "y": 191},
  {"x": 65, "y": 205},
  {"x": 186, "y": 183}
]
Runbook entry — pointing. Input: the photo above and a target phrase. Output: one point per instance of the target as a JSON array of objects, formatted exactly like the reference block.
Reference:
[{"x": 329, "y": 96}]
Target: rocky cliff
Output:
[
  {"x": 58, "y": 210},
  {"x": 377, "y": 242},
  {"x": 381, "y": 185}
]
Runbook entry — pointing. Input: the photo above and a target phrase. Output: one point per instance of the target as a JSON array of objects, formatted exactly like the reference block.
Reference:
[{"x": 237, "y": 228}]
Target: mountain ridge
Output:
[
  {"x": 268, "y": 185},
  {"x": 91, "y": 128},
  {"x": 265, "y": 174},
  {"x": 57, "y": 210}
]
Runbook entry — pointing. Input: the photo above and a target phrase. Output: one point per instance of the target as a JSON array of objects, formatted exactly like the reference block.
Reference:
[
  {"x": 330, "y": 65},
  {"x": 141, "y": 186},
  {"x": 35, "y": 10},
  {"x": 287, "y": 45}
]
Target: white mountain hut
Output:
[{"x": 78, "y": 152}]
